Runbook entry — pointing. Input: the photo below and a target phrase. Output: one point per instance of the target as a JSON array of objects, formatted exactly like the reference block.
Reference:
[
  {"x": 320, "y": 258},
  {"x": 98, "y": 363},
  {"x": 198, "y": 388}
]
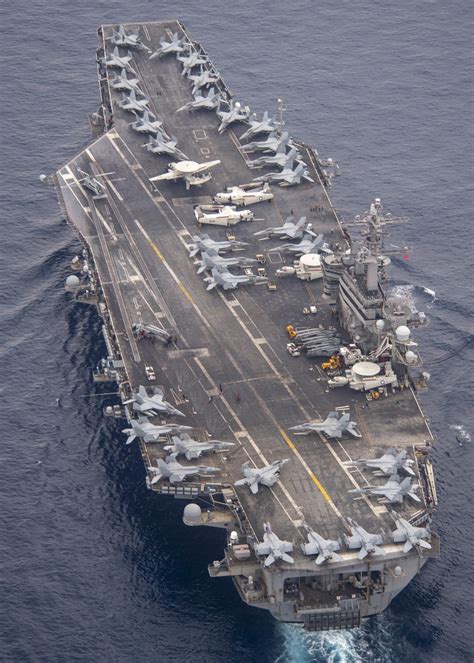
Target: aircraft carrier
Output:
[{"x": 324, "y": 528}]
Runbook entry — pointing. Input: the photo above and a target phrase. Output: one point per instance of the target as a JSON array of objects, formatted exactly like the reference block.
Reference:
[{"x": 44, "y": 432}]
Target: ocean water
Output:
[{"x": 94, "y": 567}]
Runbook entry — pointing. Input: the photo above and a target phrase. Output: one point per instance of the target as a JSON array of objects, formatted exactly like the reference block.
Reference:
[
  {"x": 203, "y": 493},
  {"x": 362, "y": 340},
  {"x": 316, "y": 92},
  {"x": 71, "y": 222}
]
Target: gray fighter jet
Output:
[
  {"x": 152, "y": 405},
  {"x": 325, "y": 549},
  {"x": 332, "y": 426},
  {"x": 131, "y": 103},
  {"x": 209, "y": 101},
  {"x": 190, "y": 59},
  {"x": 270, "y": 145},
  {"x": 96, "y": 187},
  {"x": 266, "y": 125},
  {"x": 308, "y": 244},
  {"x": 120, "y": 37},
  {"x": 186, "y": 446},
  {"x": 176, "y": 45},
  {"x": 211, "y": 258},
  {"x": 393, "y": 491},
  {"x": 291, "y": 229},
  {"x": 368, "y": 543},
  {"x": 148, "y": 123},
  {"x": 205, "y": 78},
  {"x": 160, "y": 144},
  {"x": 205, "y": 243},
  {"x": 267, "y": 475},
  {"x": 227, "y": 281},
  {"x": 273, "y": 547},
  {"x": 413, "y": 536},
  {"x": 122, "y": 82},
  {"x": 235, "y": 114},
  {"x": 175, "y": 472},
  {"x": 120, "y": 61},
  {"x": 278, "y": 159},
  {"x": 289, "y": 176},
  {"x": 387, "y": 464},
  {"x": 148, "y": 432}
]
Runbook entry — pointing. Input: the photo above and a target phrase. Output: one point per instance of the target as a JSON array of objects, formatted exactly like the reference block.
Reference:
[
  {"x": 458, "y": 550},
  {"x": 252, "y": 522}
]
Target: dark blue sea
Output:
[{"x": 93, "y": 566}]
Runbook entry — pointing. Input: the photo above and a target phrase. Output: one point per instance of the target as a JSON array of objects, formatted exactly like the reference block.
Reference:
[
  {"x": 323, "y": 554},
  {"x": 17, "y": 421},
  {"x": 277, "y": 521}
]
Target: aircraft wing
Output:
[{"x": 169, "y": 175}]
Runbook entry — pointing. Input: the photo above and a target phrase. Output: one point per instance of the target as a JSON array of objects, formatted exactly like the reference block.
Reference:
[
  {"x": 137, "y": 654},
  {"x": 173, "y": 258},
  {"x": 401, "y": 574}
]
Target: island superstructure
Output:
[{"x": 262, "y": 364}]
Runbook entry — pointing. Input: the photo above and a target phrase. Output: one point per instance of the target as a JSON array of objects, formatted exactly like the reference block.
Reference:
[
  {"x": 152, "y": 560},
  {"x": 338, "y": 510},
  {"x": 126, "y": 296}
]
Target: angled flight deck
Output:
[{"x": 226, "y": 364}]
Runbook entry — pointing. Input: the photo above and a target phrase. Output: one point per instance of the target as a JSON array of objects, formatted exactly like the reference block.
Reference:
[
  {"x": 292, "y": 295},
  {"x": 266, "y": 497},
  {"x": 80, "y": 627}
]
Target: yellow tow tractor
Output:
[
  {"x": 292, "y": 333},
  {"x": 332, "y": 364}
]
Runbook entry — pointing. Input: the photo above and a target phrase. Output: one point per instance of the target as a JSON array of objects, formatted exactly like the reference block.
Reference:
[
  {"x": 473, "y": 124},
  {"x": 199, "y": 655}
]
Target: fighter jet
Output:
[
  {"x": 190, "y": 59},
  {"x": 149, "y": 432},
  {"x": 205, "y": 102},
  {"x": 308, "y": 244},
  {"x": 271, "y": 144},
  {"x": 121, "y": 38},
  {"x": 266, "y": 125},
  {"x": 246, "y": 194},
  {"x": 289, "y": 176},
  {"x": 393, "y": 491},
  {"x": 151, "y": 405},
  {"x": 191, "y": 172},
  {"x": 280, "y": 158},
  {"x": 387, "y": 464},
  {"x": 332, "y": 426},
  {"x": 160, "y": 144},
  {"x": 227, "y": 281},
  {"x": 175, "y": 45},
  {"x": 211, "y": 258},
  {"x": 121, "y": 82},
  {"x": 148, "y": 123},
  {"x": 325, "y": 549},
  {"x": 368, "y": 543},
  {"x": 234, "y": 114},
  {"x": 273, "y": 547},
  {"x": 413, "y": 536},
  {"x": 185, "y": 445},
  {"x": 119, "y": 61},
  {"x": 96, "y": 187},
  {"x": 203, "y": 79},
  {"x": 267, "y": 475},
  {"x": 131, "y": 103},
  {"x": 205, "y": 243},
  {"x": 175, "y": 472},
  {"x": 290, "y": 229}
]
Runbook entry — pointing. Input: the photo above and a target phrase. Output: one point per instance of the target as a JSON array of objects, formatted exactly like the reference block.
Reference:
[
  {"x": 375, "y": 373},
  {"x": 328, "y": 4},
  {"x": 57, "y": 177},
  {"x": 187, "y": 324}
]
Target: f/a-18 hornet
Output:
[
  {"x": 325, "y": 549},
  {"x": 122, "y": 82},
  {"x": 190, "y": 59},
  {"x": 414, "y": 537},
  {"x": 148, "y": 432},
  {"x": 160, "y": 144},
  {"x": 148, "y": 123},
  {"x": 308, "y": 244},
  {"x": 289, "y": 176},
  {"x": 266, "y": 125},
  {"x": 390, "y": 462},
  {"x": 369, "y": 544},
  {"x": 175, "y": 45},
  {"x": 274, "y": 548},
  {"x": 175, "y": 472},
  {"x": 267, "y": 476},
  {"x": 205, "y": 78},
  {"x": 271, "y": 144},
  {"x": 186, "y": 446},
  {"x": 203, "y": 243},
  {"x": 210, "y": 259},
  {"x": 393, "y": 491},
  {"x": 291, "y": 229},
  {"x": 280, "y": 158},
  {"x": 121, "y": 37},
  {"x": 208, "y": 101},
  {"x": 131, "y": 103},
  {"x": 333, "y": 426},
  {"x": 120, "y": 61},
  {"x": 235, "y": 114},
  {"x": 227, "y": 281},
  {"x": 152, "y": 404},
  {"x": 245, "y": 194}
]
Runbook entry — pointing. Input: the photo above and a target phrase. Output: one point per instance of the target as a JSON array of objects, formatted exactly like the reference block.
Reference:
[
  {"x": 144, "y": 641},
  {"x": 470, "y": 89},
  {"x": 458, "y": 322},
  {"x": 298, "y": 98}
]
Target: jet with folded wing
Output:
[
  {"x": 291, "y": 229},
  {"x": 208, "y": 101},
  {"x": 270, "y": 145},
  {"x": 325, "y": 549},
  {"x": 175, "y": 45},
  {"x": 203, "y": 243},
  {"x": 333, "y": 426},
  {"x": 122, "y": 82},
  {"x": 211, "y": 258},
  {"x": 289, "y": 176},
  {"x": 368, "y": 543},
  {"x": 393, "y": 491},
  {"x": 274, "y": 548},
  {"x": 148, "y": 123},
  {"x": 235, "y": 114},
  {"x": 185, "y": 445},
  {"x": 266, "y": 125},
  {"x": 412, "y": 536},
  {"x": 148, "y": 432},
  {"x": 204, "y": 78},
  {"x": 175, "y": 472},
  {"x": 220, "y": 276},
  {"x": 118, "y": 61},
  {"x": 129, "y": 102},
  {"x": 308, "y": 244},
  {"x": 267, "y": 475},
  {"x": 121, "y": 37},
  {"x": 388, "y": 463},
  {"x": 278, "y": 159},
  {"x": 190, "y": 59},
  {"x": 152, "y": 405},
  {"x": 161, "y": 144}
]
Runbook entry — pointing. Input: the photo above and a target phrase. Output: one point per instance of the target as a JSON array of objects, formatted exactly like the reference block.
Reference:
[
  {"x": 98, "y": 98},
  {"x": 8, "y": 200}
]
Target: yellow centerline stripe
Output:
[
  {"x": 161, "y": 257},
  {"x": 310, "y": 473}
]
